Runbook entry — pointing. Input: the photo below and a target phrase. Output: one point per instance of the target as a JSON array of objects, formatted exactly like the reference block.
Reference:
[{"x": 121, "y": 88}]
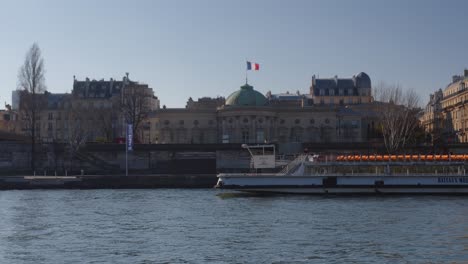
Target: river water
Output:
[{"x": 211, "y": 226}]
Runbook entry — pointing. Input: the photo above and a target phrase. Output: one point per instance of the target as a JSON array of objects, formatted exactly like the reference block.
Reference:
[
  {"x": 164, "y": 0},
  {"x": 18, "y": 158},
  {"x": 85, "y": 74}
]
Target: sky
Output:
[{"x": 189, "y": 48}]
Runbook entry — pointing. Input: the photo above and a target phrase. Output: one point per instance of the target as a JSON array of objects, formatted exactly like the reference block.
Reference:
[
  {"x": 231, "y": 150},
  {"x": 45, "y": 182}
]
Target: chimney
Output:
[
  {"x": 111, "y": 84},
  {"x": 455, "y": 78},
  {"x": 466, "y": 73},
  {"x": 87, "y": 87}
]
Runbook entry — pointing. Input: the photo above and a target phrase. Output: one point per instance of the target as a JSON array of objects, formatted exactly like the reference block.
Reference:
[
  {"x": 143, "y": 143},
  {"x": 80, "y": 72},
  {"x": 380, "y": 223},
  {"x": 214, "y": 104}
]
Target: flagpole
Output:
[
  {"x": 246, "y": 72},
  {"x": 246, "y": 77}
]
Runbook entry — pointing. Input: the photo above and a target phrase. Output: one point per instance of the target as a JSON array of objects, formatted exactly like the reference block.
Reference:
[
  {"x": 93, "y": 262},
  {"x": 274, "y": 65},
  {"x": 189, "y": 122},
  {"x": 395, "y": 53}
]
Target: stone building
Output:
[
  {"x": 455, "y": 109},
  {"x": 335, "y": 110},
  {"x": 355, "y": 90},
  {"x": 431, "y": 119},
  {"x": 92, "y": 112},
  {"x": 9, "y": 120}
]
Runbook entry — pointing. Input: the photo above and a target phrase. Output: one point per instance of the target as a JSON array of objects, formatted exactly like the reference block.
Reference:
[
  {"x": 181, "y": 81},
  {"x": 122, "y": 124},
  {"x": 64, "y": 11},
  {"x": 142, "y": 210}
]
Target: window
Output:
[
  {"x": 312, "y": 121},
  {"x": 245, "y": 136},
  {"x": 296, "y": 134},
  {"x": 195, "y": 122},
  {"x": 332, "y": 101},
  {"x": 341, "y": 92},
  {"x": 297, "y": 121},
  {"x": 181, "y": 122},
  {"x": 322, "y": 92},
  {"x": 327, "y": 121},
  {"x": 51, "y": 116},
  {"x": 49, "y": 126},
  {"x": 331, "y": 92},
  {"x": 260, "y": 136}
]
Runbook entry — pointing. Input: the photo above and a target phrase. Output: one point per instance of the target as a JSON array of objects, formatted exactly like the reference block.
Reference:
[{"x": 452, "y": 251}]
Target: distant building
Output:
[
  {"x": 432, "y": 118},
  {"x": 92, "y": 112},
  {"x": 15, "y": 99},
  {"x": 455, "y": 109},
  {"x": 248, "y": 116},
  {"x": 9, "y": 120},
  {"x": 338, "y": 91}
]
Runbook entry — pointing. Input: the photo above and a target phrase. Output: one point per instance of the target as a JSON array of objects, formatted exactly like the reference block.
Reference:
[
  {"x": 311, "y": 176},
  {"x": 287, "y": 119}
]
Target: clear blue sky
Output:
[{"x": 198, "y": 48}]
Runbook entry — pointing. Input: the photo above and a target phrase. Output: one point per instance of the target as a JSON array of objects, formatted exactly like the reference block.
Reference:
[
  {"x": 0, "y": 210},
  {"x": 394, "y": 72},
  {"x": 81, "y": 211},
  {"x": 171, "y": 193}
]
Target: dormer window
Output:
[
  {"x": 322, "y": 92},
  {"x": 331, "y": 92}
]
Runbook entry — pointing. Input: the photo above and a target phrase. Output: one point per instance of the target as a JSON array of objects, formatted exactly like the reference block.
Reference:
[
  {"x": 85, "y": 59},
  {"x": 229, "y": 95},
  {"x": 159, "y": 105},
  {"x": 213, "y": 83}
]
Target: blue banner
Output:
[{"x": 129, "y": 137}]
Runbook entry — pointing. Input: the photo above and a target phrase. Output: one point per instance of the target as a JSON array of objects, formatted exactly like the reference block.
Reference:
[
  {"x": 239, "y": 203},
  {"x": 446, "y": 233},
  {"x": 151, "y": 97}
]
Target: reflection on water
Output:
[{"x": 211, "y": 226}]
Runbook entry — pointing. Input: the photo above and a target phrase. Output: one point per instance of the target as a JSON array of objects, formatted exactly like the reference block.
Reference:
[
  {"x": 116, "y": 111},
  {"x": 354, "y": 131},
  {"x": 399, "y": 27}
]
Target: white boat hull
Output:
[{"x": 337, "y": 184}]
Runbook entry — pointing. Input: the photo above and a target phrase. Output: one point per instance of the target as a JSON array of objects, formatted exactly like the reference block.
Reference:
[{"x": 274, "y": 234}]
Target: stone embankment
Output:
[{"x": 107, "y": 182}]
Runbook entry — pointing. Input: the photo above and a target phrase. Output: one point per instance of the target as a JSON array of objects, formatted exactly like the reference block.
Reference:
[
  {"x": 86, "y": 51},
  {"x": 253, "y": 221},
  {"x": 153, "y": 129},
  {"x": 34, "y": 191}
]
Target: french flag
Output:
[{"x": 253, "y": 66}]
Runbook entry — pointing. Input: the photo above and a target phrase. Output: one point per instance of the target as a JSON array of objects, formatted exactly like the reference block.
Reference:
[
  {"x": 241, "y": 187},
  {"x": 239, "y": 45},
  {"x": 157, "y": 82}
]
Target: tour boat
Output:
[{"x": 352, "y": 174}]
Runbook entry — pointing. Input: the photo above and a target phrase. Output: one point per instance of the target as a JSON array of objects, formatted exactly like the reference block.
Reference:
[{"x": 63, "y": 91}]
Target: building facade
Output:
[
  {"x": 432, "y": 118},
  {"x": 9, "y": 120},
  {"x": 93, "y": 111},
  {"x": 445, "y": 117},
  {"x": 355, "y": 90},
  {"x": 332, "y": 110},
  {"x": 455, "y": 109},
  {"x": 248, "y": 116}
]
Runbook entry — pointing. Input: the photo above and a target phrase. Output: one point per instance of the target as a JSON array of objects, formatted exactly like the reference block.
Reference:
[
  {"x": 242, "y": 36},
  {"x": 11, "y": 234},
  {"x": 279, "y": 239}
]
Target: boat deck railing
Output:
[
  {"x": 293, "y": 165},
  {"x": 384, "y": 163},
  {"x": 403, "y": 158}
]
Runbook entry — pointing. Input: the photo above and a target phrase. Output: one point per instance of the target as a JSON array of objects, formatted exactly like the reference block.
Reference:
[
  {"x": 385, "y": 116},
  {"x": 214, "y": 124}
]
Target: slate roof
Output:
[
  {"x": 93, "y": 88},
  {"x": 361, "y": 80}
]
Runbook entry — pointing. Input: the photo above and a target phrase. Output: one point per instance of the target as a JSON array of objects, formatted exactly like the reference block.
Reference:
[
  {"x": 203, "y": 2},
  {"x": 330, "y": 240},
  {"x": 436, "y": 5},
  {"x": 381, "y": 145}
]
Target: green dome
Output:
[{"x": 246, "y": 96}]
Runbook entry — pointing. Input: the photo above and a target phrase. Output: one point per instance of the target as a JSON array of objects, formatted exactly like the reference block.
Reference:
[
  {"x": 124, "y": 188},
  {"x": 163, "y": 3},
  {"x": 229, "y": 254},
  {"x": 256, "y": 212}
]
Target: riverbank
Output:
[{"x": 108, "y": 181}]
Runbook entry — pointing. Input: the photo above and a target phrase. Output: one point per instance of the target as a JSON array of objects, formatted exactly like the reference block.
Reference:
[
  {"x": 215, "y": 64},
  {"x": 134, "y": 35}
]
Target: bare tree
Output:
[
  {"x": 106, "y": 119},
  {"x": 399, "y": 114},
  {"x": 136, "y": 105},
  {"x": 78, "y": 128},
  {"x": 105, "y": 122},
  {"x": 31, "y": 81}
]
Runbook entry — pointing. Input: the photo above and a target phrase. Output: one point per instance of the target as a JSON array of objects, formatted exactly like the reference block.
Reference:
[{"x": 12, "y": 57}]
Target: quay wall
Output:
[
  {"x": 108, "y": 182},
  {"x": 172, "y": 159}
]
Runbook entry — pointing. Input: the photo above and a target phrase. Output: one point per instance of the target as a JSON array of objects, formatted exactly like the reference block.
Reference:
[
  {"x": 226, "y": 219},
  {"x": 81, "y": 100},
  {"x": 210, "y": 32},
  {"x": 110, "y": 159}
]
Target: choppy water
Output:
[{"x": 199, "y": 226}]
